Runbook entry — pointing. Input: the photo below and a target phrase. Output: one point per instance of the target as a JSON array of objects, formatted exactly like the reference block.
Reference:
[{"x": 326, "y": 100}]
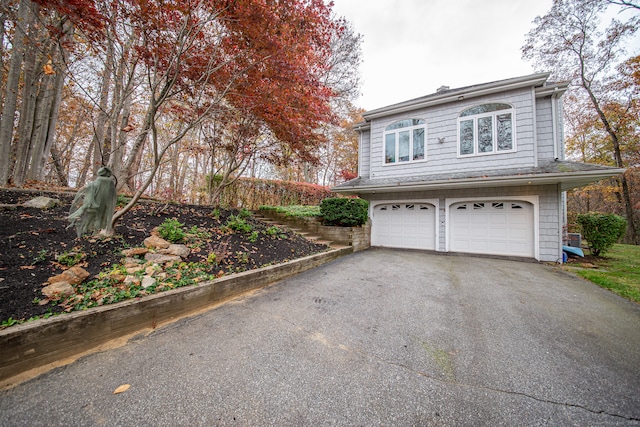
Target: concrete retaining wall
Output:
[{"x": 33, "y": 345}]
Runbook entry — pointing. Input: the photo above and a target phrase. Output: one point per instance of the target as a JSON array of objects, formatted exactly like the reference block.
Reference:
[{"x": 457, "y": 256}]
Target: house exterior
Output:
[{"x": 478, "y": 169}]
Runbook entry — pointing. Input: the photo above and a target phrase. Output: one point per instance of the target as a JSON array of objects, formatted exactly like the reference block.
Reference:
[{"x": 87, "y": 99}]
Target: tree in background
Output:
[
  {"x": 164, "y": 92},
  {"x": 568, "y": 42},
  {"x": 40, "y": 36}
]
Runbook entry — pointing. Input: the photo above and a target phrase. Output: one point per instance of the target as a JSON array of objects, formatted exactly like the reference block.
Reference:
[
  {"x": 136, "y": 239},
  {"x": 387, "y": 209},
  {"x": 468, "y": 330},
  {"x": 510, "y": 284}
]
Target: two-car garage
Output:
[{"x": 494, "y": 227}]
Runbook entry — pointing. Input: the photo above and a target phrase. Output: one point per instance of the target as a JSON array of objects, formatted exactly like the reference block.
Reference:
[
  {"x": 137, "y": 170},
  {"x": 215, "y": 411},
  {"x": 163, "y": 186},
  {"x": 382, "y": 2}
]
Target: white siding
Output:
[{"x": 442, "y": 124}]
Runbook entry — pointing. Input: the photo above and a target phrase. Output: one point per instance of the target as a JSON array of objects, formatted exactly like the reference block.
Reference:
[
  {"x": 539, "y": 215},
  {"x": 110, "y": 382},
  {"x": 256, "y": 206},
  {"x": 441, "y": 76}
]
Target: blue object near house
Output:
[
  {"x": 478, "y": 169},
  {"x": 573, "y": 251}
]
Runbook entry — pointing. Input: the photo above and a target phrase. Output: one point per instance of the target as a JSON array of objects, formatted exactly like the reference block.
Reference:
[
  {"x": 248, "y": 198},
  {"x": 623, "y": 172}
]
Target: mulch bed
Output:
[{"x": 31, "y": 240}]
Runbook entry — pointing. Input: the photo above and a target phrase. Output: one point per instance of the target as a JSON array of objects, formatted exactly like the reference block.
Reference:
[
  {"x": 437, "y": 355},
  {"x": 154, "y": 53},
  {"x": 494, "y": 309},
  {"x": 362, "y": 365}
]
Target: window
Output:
[
  {"x": 404, "y": 141},
  {"x": 486, "y": 129}
]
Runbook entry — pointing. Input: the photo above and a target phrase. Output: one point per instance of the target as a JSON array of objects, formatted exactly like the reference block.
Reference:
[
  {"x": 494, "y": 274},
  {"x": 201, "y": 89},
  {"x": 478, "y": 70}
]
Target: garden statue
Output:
[{"x": 93, "y": 206}]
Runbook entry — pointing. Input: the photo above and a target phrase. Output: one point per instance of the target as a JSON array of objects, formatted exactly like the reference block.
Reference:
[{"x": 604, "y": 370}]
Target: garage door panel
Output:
[
  {"x": 404, "y": 225},
  {"x": 496, "y": 227}
]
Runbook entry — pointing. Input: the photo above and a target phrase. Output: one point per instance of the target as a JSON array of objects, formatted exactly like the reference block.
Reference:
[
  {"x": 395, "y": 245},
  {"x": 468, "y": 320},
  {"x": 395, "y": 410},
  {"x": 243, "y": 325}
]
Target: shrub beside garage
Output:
[{"x": 344, "y": 212}]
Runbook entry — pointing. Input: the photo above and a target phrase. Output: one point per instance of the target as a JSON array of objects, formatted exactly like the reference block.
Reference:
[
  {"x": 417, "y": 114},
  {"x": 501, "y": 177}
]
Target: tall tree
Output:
[
  {"x": 260, "y": 60},
  {"x": 568, "y": 41}
]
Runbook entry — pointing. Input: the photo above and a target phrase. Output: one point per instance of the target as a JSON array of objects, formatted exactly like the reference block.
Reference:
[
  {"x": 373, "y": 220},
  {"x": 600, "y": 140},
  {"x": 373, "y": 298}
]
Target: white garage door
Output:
[
  {"x": 404, "y": 225},
  {"x": 494, "y": 227}
]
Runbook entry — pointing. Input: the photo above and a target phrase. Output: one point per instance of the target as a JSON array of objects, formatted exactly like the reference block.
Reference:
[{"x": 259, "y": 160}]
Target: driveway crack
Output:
[{"x": 319, "y": 337}]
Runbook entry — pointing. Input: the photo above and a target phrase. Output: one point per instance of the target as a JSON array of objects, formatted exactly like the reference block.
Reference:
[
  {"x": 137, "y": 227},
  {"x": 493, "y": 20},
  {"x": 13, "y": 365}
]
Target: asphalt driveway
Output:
[{"x": 380, "y": 337}]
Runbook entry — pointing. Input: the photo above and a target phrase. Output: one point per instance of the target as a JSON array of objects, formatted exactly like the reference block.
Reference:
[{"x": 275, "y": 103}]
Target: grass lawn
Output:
[{"x": 618, "y": 270}]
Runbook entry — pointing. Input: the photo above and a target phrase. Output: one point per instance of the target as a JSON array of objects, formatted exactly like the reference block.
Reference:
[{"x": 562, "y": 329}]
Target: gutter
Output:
[{"x": 553, "y": 178}]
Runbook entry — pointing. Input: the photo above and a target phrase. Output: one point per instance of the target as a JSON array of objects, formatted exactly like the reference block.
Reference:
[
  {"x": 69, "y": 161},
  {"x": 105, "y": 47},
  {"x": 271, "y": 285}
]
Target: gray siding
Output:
[
  {"x": 544, "y": 128},
  {"x": 364, "y": 158},
  {"x": 442, "y": 124},
  {"x": 549, "y": 209}
]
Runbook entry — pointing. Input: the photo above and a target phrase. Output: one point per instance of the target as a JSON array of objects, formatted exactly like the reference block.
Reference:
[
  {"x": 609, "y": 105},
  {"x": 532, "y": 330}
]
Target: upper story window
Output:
[
  {"x": 486, "y": 129},
  {"x": 404, "y": 141}
]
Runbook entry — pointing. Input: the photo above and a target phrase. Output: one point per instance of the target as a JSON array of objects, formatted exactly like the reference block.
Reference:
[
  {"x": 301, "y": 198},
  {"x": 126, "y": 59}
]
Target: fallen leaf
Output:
[
  {"x": 27, "y": 267},
  {"x": 122, "y": 389}
]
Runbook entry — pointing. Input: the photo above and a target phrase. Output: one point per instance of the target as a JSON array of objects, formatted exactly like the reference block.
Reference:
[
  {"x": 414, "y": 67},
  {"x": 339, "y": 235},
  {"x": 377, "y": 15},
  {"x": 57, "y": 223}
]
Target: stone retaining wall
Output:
[{"x": 357, "y": 237}]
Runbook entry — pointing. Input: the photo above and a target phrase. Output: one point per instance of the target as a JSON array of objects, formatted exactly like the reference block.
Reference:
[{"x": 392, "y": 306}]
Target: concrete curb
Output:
[{"x": 44, "y": 343}]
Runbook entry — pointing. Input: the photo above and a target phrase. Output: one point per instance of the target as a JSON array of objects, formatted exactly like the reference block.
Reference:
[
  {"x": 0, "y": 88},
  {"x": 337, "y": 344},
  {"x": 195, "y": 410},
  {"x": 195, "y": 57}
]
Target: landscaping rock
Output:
[
  {"x": 130, "y": 253},
  {"x": 131, "y": 280},
  {"x": 161, "y": 258},
  {"x": 117, "y": 277},
  {"x": 74, "y": 276},
  {"x": 41, "y": 202},
  {"x": 156, "y": 242},
  {"x": 148, "y": 281},
  {"x": 131, "y": 262},
  {"x": 180, "y": 250},
  {"x": 152, "y": 269},
  {"x": 134, "y": 269},
  {"x": 58, "y": 288}
]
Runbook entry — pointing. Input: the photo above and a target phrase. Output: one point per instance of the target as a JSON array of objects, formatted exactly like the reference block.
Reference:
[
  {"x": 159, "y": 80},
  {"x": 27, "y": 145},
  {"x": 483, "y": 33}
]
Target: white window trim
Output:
[
  {"x": 396, "y": 131},
  {"x": 434, "y": 202},
  {"x": 534, "y": 200},
  {"x": 493, "y": 116}
]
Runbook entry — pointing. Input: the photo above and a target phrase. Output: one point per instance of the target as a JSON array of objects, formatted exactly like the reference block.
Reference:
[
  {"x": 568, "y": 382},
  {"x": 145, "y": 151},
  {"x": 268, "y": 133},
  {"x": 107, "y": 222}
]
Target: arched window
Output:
[
  {"x": 404, "y": 141},
  {"x": 486, "y": 129}
]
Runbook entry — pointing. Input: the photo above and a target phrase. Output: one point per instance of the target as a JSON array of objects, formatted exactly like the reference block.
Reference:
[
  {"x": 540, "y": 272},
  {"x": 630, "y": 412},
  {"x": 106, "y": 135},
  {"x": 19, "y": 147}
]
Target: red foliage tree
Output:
[
  {"x": 282, "y": 51},
  {"x": 83, "y": 13}
]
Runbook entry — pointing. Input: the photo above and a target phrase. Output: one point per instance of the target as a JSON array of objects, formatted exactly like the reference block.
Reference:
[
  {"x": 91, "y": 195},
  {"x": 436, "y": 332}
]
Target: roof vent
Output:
[{"x": 442, "y": 89}]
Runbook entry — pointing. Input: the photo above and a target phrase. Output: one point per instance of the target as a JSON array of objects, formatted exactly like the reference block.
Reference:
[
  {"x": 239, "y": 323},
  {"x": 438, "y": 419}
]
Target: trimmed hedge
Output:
[
  {"x": 601, "y": 230},
  {"x": 344, "y": 212}
]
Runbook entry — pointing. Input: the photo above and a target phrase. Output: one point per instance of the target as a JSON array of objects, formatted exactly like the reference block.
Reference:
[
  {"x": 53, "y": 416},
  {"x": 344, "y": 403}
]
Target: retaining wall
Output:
[
  {"x": 357, "y": 237},
  {"x": 33, "y": 345}
]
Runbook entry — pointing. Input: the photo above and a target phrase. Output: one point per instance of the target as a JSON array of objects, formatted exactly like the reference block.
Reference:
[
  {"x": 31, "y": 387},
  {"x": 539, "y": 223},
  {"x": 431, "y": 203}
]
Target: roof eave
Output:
[
  {"x": 566, "y": 181},
  {"x": 458, "y": 94}
]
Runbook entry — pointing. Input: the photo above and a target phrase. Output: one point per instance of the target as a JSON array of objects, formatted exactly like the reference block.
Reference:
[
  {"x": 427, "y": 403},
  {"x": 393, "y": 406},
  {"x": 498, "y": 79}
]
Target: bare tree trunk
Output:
[
  {"x": 59, "y": 169},
  {"x": 132, "y": 164},
  {"x": 98, "y": 142},
  {"x": 53, "y": 120},
  {"x": 3, "y": 18},
  {"x": 82, "y": 178},
  {"x": 43, "y": 114},
  {"x": 11, "y": 92},
  {"x": 22, "y": 144},
  {"x": 121, "y": 109}
]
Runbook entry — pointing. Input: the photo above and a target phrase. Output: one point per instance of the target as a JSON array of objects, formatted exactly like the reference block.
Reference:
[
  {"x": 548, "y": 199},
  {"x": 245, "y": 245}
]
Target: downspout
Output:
[{"x": 562, "y": 195}]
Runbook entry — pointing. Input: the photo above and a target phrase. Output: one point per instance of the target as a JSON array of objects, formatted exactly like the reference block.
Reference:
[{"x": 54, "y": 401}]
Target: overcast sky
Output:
[{"x": 412, "y": 47}]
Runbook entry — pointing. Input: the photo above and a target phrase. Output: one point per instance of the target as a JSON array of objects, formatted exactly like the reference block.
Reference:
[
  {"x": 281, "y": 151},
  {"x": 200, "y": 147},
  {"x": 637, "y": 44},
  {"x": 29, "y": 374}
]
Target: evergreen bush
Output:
[{"x": 344, "y": 212}]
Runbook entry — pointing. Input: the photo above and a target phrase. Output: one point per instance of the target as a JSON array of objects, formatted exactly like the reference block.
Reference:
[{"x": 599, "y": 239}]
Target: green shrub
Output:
[
  {"x": 245, "y": 213},
  {"x": 601, "y": 230},
  {"x": 171, "y": 230},
  {"x": 344, "y": 212},
  {"x": 70, "y": 258},
  {"x": 122, "y": 200},
  {"x": 236, "y": 223},
  {"x": 272, "y": 231}
]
